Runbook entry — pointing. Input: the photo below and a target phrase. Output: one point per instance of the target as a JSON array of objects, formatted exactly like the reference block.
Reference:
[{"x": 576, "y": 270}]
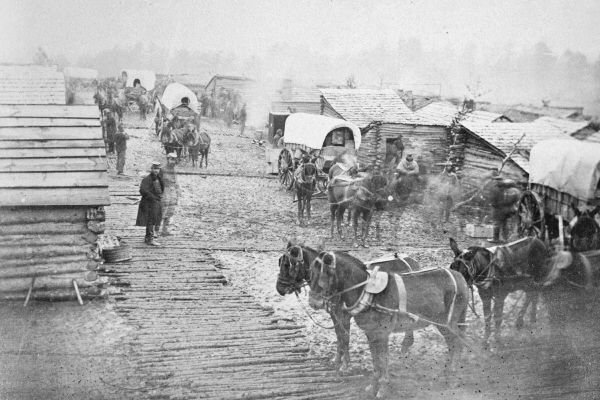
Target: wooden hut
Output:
[
  {"x": 485, "y": 145},
  {"x": 382, "y": 116},
  {"x": 31, "y": 84},
  {"x": 53, "y": 186},
  {"x": 579, "y": 129}
]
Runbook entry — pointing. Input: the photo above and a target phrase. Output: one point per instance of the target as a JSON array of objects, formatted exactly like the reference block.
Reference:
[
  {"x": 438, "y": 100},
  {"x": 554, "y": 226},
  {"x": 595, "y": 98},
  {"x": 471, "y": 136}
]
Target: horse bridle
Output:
[
  {"x": 475, "y": 278},
  {"x": 327, "y": 298}
]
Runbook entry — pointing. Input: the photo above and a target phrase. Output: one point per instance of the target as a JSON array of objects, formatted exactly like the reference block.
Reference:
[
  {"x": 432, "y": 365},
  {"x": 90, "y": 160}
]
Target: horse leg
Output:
[
  {"x": 498, "y": 309},
  {"x": 409, "y": 339},
  {"x": 339, "y": 216},
  {"x": 378, "y": 344},
  {"x": 355, "y": 222},
  {"x": 486, "y": 301},
  {"x": 341, "y": 322},
  {"x": 365, "y": 230},
  {"x": 300, "y": 208},
  {"x": 307, "y": 200},
  {"x": 530, "y": 300},
  {"x": 333, "y": 212}
]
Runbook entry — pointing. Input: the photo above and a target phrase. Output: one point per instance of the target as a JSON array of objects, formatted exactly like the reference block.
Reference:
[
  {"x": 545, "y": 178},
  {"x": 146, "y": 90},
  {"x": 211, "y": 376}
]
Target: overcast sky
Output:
[{"x": 72, "y": 27}]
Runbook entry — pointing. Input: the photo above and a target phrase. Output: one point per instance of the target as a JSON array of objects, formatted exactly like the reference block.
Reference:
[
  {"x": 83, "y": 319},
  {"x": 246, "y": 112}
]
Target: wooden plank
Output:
[
  {"x": 53, "y": 122},
  {"x": 46, "y": 282},
  {"x": 33, "y": 144},
  {"x": 52, "y": 164},
  {"x": 46, "y": 111},
  {"x": 53, "y": 152},
  {"x": 37, "y": 133},
  {"x": 53, "y": 179},
  {"x": 91, "y": 196}
]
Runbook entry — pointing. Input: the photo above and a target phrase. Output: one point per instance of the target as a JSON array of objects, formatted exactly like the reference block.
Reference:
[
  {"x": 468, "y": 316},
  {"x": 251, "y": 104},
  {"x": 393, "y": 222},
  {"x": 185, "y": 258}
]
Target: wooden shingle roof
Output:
[
  {"x": 567, "y": 126},
  {"x": 444, "y": 112},
  {"x": 503, "y": 136},
  {"x": 31, "y": 84},
  {"x": 52, "y": 155},
  {"x": 363, "y": 106}
]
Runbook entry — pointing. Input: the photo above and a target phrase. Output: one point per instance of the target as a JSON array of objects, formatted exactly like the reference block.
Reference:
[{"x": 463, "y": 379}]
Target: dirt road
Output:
[{"x": 201, "y": 318}]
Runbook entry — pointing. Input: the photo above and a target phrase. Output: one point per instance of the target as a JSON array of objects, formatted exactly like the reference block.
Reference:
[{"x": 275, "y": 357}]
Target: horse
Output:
[
  {"x": 173, "y": 139},
  {"x": 499, "y": 271},
  {"x": 384, "y": 303},
  {"x": 360, "y": 196},
  {"x": 585, "y": 232},
  {"x": 294, "y": 273},
  {"x": 197, "y": 143},
  {"x": 305, "y": 182}
]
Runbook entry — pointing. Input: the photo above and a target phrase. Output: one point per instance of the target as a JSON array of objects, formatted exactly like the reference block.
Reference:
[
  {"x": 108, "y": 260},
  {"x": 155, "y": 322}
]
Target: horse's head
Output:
[
  {"x": 474, "y": 264},
  {"x": 309, "y": 173},
  {"x": 323, "y": 279},
  {"x": 293, "y": 269},
  {"x": 585, "y": 232}
]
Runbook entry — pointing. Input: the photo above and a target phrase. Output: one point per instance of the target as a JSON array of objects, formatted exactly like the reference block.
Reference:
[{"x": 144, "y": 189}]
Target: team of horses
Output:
[
  {"x": 185, "y": 140},
  {"x": 363, "y": 195},
  {"x": 397, "y": 297}
]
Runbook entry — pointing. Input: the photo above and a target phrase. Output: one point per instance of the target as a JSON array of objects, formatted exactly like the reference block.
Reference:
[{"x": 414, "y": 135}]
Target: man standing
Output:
[
  {"x": 503, "y": 196},
  {"x": 110, "y": 128},
  {"x": 243, "y": 116},
  {"x": 121, "y": 139},
  {"x": 150, "y": 210},
  {"x": 171, "y": 194}
]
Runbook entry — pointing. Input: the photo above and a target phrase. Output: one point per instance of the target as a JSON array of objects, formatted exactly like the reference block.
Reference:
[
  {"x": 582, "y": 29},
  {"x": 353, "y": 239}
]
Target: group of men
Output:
[{"x": 115, "y": 138}]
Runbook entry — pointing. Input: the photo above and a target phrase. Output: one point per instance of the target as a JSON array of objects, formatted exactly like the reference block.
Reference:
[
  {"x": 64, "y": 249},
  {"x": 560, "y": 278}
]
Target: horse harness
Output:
[{"x": 375, "y": 283}]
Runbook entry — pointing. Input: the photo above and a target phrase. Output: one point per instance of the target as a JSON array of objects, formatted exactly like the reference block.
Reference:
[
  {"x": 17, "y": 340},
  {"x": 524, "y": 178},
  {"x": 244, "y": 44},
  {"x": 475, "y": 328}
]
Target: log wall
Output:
[
  {"x": 55, "y": 245},
  {"x": 429, "y": 144}
]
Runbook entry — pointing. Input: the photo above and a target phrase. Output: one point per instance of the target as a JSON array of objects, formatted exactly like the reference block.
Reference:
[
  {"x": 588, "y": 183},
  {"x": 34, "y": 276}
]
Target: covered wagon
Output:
[{"x": 324, "y": 138}]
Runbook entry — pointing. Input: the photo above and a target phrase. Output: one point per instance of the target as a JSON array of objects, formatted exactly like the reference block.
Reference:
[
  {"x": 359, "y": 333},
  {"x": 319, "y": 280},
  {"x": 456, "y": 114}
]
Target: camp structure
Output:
[
  {"x": 53, "y": 189},
  {"x": 147, "y": 78},
  {"x": 383, "y": 117},
  {"x": 484, "y": 146},
  {"x": 579, "y": 129},
  {"x": 31, "y": 84}
]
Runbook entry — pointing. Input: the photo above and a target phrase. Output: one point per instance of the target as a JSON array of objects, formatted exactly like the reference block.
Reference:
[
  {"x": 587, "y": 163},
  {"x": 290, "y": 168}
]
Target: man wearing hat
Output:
[
  {"x": 171, "y": 194},
  {"x": 121, "y": 139},
  {"x": 185, "y": 113},
  {"x": 408, "y": 167},
  {"x": 150, "y": 210},
  {"x": 502, "y": 195}
]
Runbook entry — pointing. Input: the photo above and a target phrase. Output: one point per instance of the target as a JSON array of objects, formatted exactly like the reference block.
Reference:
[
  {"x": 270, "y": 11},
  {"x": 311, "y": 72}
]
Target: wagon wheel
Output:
[
  {"x": 531, "y": 215},
  {"x": 285, "y": 168}
]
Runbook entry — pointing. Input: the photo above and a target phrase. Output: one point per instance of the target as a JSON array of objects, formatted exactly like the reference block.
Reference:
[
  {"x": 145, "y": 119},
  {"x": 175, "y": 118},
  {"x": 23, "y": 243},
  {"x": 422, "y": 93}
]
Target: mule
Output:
[
  {"x": 305, "y": 183},
  {"x": 197, "y": 143},
  {"x": 497, "y": 272},
  {"x": 585, "y": 232},
  {"x": 407, "y": 302},
  {"x": 294, "y": 273}
]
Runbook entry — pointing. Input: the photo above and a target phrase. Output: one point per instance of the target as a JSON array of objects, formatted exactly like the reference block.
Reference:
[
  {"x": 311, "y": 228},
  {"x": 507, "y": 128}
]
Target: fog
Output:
[{"x": 510, "y": 52}]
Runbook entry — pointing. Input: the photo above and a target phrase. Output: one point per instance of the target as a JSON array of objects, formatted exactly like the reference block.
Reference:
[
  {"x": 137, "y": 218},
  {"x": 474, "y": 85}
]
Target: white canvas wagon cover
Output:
[
  {"x": 311, "y": 129},
  {"x": 569, "y": 166},
  {"x": 147, "y": 78},
  {"x": 173, "y": 93}
]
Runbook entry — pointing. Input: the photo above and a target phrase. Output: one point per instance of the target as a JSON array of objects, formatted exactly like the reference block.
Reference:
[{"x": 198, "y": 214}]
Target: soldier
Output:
[
  {"x": 150, "y": 209},
  {"x": 502, "y": 196},
  {"x": 171, "y": 194},
  {"x": 242, "y": 119},
  {"x": 121, "y": 139},
  {"x": 185, "y": 112},
  {"x": 449, "y": 185}
]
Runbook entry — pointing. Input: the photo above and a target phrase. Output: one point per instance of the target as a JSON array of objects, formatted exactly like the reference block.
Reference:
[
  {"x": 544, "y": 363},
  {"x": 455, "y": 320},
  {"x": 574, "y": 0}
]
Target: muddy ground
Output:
[{"x": 241, "y": 219}]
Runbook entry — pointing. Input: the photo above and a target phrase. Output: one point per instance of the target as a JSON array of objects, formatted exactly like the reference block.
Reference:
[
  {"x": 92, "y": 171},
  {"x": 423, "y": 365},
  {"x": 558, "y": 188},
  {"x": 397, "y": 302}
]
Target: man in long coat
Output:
[
  {"x": 150, "y": 210},
  {"x": 171, "y": 194}
]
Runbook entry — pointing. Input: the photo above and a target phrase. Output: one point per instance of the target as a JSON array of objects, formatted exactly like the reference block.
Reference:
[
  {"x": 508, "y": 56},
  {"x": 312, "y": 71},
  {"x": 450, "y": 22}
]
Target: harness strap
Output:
[{"x": 451, "y": 311}]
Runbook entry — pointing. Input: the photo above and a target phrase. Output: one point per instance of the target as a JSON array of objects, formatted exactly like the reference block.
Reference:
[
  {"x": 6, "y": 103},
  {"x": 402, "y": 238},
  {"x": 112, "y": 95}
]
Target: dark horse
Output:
[
  {"x": 294, "y": 273},
  {"x": 305, "y": 182},
  {"x": 361, "y": 196},
  {"x": 497, "y": 272},
  {"x": 197, "y": 143},
  {"x": 173, "y": 139},
  {"x": 585, "y": 232},
  {"x": 409, "y": 301}
]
